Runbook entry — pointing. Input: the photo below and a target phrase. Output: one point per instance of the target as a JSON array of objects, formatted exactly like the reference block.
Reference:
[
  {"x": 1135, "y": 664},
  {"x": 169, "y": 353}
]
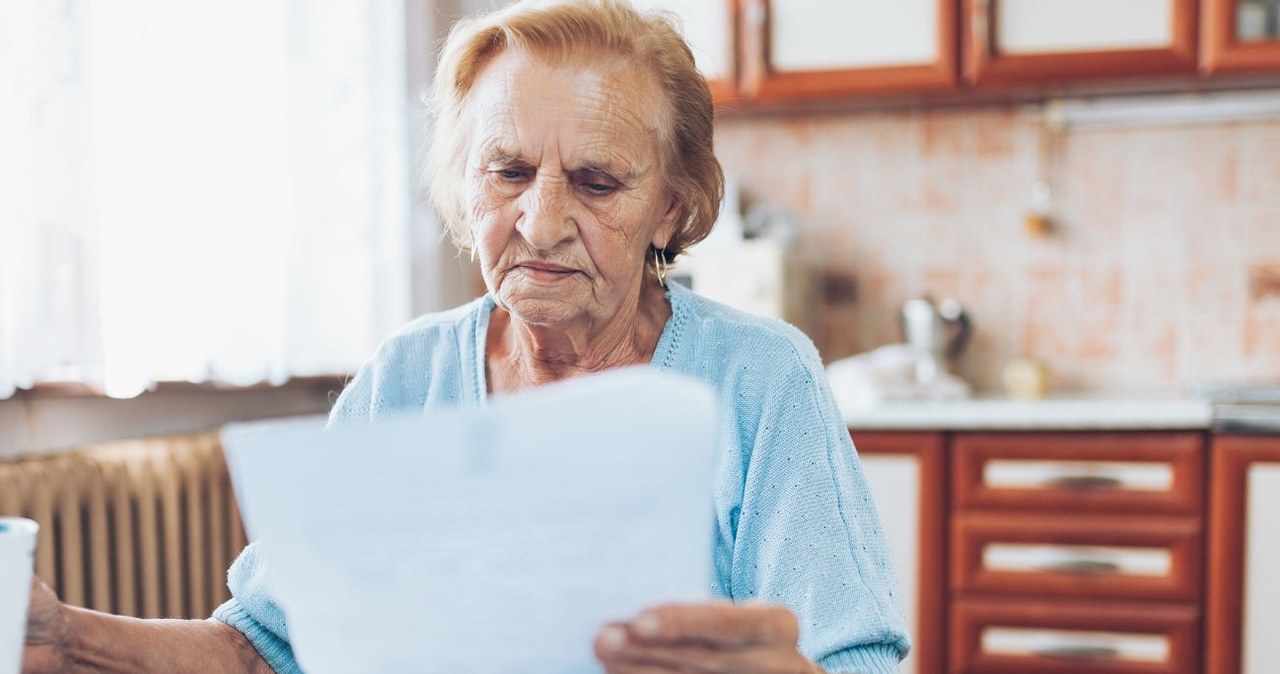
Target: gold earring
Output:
[{"x": 660, "y": 265}]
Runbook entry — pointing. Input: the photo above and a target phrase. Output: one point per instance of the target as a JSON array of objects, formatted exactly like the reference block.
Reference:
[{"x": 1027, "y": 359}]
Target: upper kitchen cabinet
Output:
[
  {"x": 1240, "y": 36},
  {"x": 710, "y": 29},
  {"x": 804, "y": 50},
  {"x": 1048, "y": 42}
]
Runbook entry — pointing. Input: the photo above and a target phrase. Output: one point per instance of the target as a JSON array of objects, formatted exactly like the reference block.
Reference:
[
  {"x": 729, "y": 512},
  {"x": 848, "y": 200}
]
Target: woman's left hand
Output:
[{"x": 707, "y": 639}]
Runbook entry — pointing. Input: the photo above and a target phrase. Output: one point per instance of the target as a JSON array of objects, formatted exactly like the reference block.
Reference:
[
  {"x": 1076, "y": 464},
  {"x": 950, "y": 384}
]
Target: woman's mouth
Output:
[{"x": 545, "y": 271}]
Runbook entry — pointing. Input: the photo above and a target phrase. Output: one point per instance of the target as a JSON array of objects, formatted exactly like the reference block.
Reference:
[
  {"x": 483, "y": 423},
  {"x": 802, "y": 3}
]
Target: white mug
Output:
[{"x": 17, "y": 559}]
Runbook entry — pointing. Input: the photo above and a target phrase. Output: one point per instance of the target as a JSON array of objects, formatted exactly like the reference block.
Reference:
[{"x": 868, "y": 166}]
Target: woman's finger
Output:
[
  {"x": 615, "y": 649},
  {"x": 706, "y": 660},
  {"x": 715, "y": 624}
]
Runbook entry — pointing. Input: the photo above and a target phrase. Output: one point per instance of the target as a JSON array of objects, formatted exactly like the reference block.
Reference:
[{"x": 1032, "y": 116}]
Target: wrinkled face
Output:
[{"x": 565, "y": 188}]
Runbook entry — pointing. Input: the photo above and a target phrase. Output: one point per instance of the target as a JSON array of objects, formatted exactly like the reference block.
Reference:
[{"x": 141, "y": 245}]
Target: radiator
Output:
[{"x": 142, "y": 528}]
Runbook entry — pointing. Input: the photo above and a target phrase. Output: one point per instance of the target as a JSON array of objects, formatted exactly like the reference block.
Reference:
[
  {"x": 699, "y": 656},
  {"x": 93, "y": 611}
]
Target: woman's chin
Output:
[{"x": 542, "y": 310}]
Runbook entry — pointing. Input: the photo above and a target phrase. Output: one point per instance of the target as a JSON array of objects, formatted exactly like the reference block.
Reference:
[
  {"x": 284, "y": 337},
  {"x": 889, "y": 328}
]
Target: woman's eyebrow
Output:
[
  {"x": 501, "y": 156},
  {"x": 617, "y": 168}
]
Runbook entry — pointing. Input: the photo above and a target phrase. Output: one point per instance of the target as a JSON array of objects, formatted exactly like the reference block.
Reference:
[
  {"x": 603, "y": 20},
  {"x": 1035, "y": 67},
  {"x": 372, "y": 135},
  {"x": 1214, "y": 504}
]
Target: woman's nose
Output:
[{"x": 546, "y": 221}]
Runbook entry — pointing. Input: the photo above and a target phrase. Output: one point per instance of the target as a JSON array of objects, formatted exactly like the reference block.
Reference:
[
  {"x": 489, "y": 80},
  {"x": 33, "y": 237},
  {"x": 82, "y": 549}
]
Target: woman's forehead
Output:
[{"x": 520, "y": 101}]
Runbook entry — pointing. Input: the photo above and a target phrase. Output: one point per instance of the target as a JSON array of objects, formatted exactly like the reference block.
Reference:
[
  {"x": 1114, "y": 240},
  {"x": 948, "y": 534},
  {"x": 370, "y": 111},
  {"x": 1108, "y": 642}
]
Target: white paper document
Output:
[{"x": 484, "y": 541}]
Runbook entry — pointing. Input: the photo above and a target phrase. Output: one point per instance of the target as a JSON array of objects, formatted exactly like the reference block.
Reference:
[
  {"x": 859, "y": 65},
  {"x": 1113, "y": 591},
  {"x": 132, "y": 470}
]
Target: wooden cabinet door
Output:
[
  {"x": 1054, "y": 41},
  {"x": 1004, "y": 636},
  {"x": 710, "y": 28},
  {"x": 1244, "y": 556},
  {"x": 906, "y": 474},
  {"x": 804, "y": 50},
  {"x": 1240, "y": 36},
  {"x": 1097, "y": 472}
]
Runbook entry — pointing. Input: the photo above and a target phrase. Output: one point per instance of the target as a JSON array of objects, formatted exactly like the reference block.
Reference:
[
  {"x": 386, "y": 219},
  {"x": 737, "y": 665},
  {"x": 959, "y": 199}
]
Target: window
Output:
[{"x": 200, "y": 191}]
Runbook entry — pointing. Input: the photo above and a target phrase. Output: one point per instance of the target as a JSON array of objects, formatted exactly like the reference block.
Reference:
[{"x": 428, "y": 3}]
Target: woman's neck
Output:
[{"x": 520, "y": 355}]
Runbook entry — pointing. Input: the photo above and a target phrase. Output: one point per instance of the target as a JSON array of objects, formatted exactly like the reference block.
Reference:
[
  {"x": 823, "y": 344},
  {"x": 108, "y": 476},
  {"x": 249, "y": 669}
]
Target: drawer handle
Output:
[
  {"x": 1084, "y": 482},
  {"x": 1083, "y": 567},
  {"x": 1078, "y": 653}
]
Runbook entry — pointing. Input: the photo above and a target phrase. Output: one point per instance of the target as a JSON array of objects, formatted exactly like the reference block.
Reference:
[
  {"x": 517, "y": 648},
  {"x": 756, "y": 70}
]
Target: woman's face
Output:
[{"x": 565, "y": 187}]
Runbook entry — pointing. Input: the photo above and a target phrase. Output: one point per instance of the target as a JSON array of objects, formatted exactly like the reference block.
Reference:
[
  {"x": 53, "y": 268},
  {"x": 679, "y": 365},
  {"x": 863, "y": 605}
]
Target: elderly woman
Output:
[{"x": 573, "y": 155}]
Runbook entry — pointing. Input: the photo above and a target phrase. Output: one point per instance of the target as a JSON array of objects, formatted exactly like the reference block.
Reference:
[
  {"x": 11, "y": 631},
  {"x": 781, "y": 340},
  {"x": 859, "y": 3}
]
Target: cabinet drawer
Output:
[
  {"x": 1013, "y": 637},
  {"x": 1078, "y": 556},
  {"x": 1083, "y": 472}
]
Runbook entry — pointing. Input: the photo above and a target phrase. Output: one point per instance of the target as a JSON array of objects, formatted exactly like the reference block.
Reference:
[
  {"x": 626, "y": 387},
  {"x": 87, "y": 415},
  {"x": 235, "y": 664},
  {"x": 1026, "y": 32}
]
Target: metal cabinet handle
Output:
[
  {"x": 1084, "y": 482},
  {"x": 1083, "y": 567},
  {"x": 1079, "y": 653}
]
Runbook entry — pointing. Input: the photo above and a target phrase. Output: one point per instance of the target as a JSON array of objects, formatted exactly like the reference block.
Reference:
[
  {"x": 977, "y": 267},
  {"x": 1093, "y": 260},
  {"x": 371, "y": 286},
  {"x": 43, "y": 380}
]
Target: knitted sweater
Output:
[{"x": 795, "y": 524}]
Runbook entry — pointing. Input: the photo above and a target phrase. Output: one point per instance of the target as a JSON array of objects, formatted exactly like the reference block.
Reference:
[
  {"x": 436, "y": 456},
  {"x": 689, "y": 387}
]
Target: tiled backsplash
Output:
[{"x": 1162, "y": 270}]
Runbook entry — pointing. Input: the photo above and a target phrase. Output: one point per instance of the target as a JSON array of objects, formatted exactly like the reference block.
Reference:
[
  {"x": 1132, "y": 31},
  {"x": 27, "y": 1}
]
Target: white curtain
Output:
[{"x": 200, "y": 190}]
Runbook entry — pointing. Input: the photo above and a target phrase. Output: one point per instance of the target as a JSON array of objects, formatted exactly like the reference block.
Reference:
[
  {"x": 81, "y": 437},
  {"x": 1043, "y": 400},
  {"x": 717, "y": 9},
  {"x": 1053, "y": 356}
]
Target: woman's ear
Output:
[{"x": 670, "y": 220}]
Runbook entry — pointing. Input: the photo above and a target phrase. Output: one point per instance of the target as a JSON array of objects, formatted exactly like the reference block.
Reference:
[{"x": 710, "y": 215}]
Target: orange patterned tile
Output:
[
  {"x": 1145, "y": 282},
  {"x": 1262, "y": 333},
  {"x": 1217, "y": 290}
]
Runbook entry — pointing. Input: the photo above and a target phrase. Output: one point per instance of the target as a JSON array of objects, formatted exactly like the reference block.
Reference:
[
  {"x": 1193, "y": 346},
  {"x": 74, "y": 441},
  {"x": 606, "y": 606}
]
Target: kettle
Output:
[{"x": 935, "y": 333}]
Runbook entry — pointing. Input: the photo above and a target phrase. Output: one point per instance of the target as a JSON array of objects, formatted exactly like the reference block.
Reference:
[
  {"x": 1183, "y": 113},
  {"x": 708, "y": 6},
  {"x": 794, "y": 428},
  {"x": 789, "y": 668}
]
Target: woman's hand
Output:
[
  {"x": 47, "y": 632},
  {"x": 709, "y": 638}
]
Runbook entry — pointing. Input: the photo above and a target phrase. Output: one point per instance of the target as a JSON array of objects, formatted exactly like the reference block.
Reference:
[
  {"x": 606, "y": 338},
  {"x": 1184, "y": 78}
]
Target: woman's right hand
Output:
[{"x": 47, "y": 632}]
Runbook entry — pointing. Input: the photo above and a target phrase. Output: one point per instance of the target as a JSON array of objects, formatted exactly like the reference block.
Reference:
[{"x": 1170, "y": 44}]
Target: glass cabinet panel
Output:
[
  {"x": 1257, "y": 20},
  {"x": 1063, "y": 26},
  {"x": 1240, "y": 36},
  {"x": 824, "y": 35}
]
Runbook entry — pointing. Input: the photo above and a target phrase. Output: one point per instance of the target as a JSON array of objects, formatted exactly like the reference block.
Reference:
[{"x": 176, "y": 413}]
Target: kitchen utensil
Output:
[{"x": 936, "y": 334}]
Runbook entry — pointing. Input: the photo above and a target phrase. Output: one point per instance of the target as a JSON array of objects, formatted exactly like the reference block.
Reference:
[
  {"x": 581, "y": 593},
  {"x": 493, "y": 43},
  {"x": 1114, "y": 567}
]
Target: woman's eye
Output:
[
  {"x": 510, "y": 174},
  {"x": 598, "y": 188}
]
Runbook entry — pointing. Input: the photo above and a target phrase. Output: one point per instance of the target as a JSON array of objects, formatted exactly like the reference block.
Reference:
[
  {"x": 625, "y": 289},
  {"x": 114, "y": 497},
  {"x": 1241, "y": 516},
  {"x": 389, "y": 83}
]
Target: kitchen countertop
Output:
[{"x": 1069, "y": 414}]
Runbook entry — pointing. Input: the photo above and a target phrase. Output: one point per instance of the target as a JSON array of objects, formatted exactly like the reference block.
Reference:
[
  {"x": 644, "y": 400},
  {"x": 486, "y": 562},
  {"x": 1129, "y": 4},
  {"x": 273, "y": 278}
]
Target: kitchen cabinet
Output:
[
  {"x": 1047, "y": 42},
  {"x": 1080, "y": 549},
  {"x": 906, "y": 472},
  {"x": 710, "y": 28},
  {"x": 1050, "y": 551},
  {"x": 759, "y": 54},
  {"x": 804, "y": 50},
  {"x": 1076, "y": 552},
  {"x": 1240, "y": 36},
  {"x": 1243, "y": 611}
]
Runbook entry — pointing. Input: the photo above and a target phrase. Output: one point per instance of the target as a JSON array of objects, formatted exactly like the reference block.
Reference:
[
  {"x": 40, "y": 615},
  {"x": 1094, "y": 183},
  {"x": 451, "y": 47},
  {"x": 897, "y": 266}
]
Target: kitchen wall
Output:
[{"x": 1162, "y": 270}]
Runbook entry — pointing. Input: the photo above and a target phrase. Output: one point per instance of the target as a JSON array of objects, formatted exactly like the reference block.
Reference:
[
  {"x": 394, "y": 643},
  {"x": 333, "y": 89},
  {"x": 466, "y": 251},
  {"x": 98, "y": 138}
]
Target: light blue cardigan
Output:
[{"x": 795, "y": 524}]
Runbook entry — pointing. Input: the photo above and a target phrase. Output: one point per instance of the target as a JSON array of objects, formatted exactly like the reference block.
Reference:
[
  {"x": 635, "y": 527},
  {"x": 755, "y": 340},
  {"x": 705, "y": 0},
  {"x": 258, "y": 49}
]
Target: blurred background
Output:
[{"x": 1017, "y": 231}]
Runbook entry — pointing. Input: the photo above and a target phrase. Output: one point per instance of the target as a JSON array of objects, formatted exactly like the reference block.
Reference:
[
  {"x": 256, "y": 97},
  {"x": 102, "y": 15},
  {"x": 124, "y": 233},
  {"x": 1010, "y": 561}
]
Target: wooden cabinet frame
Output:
[
  {"x": 760, "y": 82},
  {"x": 1221, "y": 52},
  {"x": 1231, "y": 458},
  {"x": 929, "y": 449},
  {"x": 984, "y": 64},
  {"x": 724, "y": 91}
]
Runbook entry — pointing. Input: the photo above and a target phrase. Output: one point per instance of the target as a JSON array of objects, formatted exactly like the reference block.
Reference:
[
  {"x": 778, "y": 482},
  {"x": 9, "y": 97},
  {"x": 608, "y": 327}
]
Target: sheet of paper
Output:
[{"x": 484, "y": 541}]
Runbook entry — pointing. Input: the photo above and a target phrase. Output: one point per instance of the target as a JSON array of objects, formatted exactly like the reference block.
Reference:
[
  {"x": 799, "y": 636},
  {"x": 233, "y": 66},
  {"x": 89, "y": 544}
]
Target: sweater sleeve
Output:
[
  {"x": 808, "y": 536},
  {"x": 252, "y": 609},
  {"x": 254, "y": 612}
]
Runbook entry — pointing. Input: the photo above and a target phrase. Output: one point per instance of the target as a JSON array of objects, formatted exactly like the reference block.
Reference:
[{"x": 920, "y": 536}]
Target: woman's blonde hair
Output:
[{"x": 563, "y": 29}]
